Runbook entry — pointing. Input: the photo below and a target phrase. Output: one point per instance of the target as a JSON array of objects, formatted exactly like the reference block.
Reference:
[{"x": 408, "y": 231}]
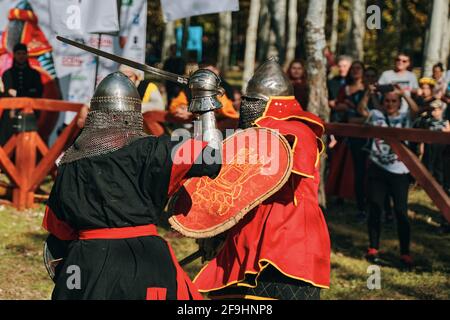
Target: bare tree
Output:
[
  {"x": 250, "y": 42},
  {"x": 169, "y": 39},
  {"x": 264, "y": 31},
  {"x": 334, "y": 27},
  {"x": 277, "y": 9},
  {"x": 439, "y": 18},
  {"x": 316, "y": 68},
  {"x": 292, "y": 30},
  {"x": 358, "y": 32},
  {"x": 398, "y": 23},
  {"x": 316, "y": 62},
  {"x": 445, "y": 48},
  {"x": 223, "y": 60}
]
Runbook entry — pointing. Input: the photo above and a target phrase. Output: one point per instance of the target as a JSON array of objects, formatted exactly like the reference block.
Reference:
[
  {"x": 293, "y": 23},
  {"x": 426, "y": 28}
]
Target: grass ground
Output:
[{"x": 23, "y": 276}]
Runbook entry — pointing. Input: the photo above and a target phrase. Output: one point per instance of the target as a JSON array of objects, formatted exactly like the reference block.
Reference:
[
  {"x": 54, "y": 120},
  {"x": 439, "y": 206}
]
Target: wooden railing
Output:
[
  {"x": 24, "y": 171},
  {"x": 394, "y": 137}
]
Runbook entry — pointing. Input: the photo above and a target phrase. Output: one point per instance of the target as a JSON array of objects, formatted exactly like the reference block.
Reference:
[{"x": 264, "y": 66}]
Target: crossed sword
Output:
[{"x": 146, "y": 68}]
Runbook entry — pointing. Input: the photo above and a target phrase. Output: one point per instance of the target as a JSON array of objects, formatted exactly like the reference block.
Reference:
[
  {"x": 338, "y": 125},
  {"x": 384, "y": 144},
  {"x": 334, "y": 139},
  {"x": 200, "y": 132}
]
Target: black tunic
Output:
[{"x": 124, "y": 188}]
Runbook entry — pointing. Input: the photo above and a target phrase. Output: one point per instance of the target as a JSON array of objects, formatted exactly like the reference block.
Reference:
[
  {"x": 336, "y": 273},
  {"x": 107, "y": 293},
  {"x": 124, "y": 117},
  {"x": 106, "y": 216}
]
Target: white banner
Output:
[
  {"x": 178, "y": 9},
  {"x": 78, "y": 17}
]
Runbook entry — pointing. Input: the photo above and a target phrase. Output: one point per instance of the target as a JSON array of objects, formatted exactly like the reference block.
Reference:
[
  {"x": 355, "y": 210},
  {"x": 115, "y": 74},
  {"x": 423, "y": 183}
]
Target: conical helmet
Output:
[
  {"x": 114, "y": 120},
  {"x": 116, "y": 93},
  {"x": 268, "y": 81}
]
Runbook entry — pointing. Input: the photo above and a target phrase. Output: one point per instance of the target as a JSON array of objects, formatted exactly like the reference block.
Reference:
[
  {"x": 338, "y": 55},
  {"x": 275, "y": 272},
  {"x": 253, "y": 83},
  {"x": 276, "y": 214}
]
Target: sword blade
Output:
[
  {"x": 192, "y": 257},
  {"x": 136, "y": 65}
]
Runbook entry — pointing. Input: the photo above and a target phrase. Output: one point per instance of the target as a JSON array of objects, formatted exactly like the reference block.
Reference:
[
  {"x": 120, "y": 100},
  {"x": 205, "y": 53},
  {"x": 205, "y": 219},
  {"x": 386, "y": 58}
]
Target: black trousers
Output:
[
  {"x": 359, "y": 157},
  {"x": 380, "y": 183},
  {"x": 433, "y": 159}
]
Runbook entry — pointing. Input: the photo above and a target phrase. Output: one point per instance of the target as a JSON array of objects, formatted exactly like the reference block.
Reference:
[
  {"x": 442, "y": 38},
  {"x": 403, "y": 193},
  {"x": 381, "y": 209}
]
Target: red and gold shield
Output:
[{"x": 256, "y": 163}]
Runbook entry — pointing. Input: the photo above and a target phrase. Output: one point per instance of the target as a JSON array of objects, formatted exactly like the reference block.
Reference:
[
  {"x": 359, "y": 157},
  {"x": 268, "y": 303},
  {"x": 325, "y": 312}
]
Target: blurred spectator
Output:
[
  {"x": 2, "y": 88},
  {"x": 433, "y": 154},
  {"x": 329, "y": 56},
  {"x": 149, "y": 92},
  {"x": 446, "y": 97},
  {"x": 297, "y": 74},
  {"x": 371, "y": 98},
  {"x": 388, "y": 175},
  {"x": 401, "y": 76},
  {"x": 21, "y": 80},
  {"x": 441, "y": 84},
  {"x": 425, "y": 93},
  {"x": 237, "y": 99},
  {"x": 334, "y": 85},
  {"x": 348, "y": 99},
  {"x": 176, "y": 65},
  {"x": 424, "y": 98}
]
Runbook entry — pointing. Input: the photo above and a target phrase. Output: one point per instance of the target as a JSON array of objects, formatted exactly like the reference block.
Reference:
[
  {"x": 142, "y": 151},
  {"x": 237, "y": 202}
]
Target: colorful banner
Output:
[{"x": 74, "y": 68}]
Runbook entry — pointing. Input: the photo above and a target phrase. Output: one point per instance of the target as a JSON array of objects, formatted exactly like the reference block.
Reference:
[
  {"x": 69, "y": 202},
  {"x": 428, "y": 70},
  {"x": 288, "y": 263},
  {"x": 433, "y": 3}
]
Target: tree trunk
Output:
[
  {"x": 277, "y": 9},
  {"x": 292, "y": 31},
  {"x": 445, "y": 48},
  {"x": 250, "y": 42},
  {"x": 398, "y": 24},
  {"x": 264, "y": 31},
  {"x": 225, "y": 22},
  {"x": 169, "y": 39},
  {"x": 316, "y": 62},
  {"x": 433, "y": 48},
  {"x": 358, "y": 15},
  {"x": 334, "y": 27},
  {"x": 317, "y": 71}
]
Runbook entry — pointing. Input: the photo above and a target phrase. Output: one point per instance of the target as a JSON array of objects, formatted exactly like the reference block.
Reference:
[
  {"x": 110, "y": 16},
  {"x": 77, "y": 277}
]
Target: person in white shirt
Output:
[
  {"x": 388, "y": 175},
  {"x": 401, "y": 76}
]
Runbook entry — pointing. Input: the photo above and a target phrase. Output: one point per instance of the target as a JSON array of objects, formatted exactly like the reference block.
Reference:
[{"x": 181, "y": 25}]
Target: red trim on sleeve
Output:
[
  {"x": 58, "y": 228},
  {"x": 183, "y": 159}
]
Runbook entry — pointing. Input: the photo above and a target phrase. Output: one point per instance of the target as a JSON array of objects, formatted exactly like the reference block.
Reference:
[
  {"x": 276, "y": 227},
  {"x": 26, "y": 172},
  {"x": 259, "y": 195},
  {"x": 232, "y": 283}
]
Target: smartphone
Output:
[{"x": 385, "y": 88}]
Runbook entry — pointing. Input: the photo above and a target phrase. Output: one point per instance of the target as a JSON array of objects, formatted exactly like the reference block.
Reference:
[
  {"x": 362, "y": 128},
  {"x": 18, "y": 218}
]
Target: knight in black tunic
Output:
[{"x": 110, "y": 191}]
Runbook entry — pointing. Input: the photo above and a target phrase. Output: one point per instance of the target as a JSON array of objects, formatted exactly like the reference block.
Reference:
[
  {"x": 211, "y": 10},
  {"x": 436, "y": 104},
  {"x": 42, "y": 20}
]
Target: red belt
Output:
[{"x": 118, "y": 233}]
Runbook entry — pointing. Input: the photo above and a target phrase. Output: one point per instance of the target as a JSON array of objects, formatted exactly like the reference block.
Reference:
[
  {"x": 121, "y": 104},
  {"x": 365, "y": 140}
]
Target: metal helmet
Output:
[
  {"x": 114, "y": 119},
  {"x": 116, "y": 93},
  {"x": 205, "y": 86},
  {"x": 269, "y": 80}
]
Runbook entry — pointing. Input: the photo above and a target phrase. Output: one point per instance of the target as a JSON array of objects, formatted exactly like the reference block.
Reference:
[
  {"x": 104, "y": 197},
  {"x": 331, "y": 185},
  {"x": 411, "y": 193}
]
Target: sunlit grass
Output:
[{"x": 23, "y": 276}]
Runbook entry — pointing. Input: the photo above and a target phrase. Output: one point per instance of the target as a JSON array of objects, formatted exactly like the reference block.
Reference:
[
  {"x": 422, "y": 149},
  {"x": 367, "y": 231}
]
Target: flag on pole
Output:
[{"x": 178, "y": 9}]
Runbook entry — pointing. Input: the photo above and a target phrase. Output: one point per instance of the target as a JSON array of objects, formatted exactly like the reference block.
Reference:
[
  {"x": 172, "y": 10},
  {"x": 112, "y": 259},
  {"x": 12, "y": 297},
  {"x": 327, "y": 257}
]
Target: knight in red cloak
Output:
[{"x": 281, "y": 249}]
